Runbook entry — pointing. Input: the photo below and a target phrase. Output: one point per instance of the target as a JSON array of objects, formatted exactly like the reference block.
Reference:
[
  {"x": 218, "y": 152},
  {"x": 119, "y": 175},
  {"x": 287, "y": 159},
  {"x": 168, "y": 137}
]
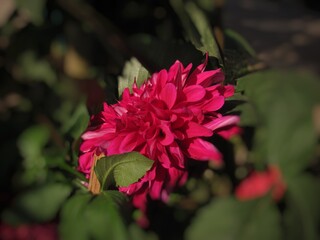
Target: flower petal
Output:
[
  {"x": 194, "y": 93},
  {"x": 196, "y": 130},
  {"x": 208, "y": 78},
  {"x": 156, "y": 185},
  {"x": 177, "y": 156},
  {"x": 174, "y": 74},
  {"x": 97, "y": 133},
  {"x": 199, "y": 69},
  {"x": 168, "y": 135},
  {"x": 229, "y": 131},
  {"x": 199, "y": 149},
  {"x": 228, "y": 91},
  {"x": 222, "y": 122},
  {"x": 129, "y": 142},
  {"x": 213, "y": 104},
  {"x": 169, "y": 94}
]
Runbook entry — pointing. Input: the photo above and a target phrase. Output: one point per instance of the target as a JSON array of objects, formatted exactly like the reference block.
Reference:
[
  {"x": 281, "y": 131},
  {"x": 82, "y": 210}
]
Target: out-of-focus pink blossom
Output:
[
  {"x": 29, "y": 232},
  {"x": 258, "y": 184}
]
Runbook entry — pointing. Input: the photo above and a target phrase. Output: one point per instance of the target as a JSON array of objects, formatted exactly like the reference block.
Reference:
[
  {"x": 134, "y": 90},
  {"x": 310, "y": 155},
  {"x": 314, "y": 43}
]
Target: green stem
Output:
[{"x": 71, "y": 170}]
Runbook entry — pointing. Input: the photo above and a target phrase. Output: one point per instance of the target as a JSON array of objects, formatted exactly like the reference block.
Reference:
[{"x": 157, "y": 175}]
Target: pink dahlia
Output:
[{"x": 166, "y": 119}]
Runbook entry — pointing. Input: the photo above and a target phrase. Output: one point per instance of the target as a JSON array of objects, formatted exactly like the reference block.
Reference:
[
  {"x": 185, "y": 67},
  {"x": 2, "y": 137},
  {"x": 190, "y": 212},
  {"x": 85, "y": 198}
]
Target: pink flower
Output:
[
  {"x": 166, "y": 119},
  {"x": 258, "y": 184}
]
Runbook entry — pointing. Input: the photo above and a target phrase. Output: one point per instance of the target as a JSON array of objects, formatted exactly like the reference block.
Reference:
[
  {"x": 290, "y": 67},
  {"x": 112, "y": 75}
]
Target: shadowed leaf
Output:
[
  {"x": 86, "y": 217},
  {"x": 283, "y": 102},
  {"x": 39, "y": 204},
  {"x": 229, "y": 219}
]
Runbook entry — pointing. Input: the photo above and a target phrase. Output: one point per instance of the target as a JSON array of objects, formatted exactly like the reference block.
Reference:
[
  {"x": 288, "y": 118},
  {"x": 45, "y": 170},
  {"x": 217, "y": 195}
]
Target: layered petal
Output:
[
  {"x": 199, "y": 149},
  {"x": 222, "y": 122},
  {"x": 168, "y": 94},
  {"x": 194, "y": 93}
]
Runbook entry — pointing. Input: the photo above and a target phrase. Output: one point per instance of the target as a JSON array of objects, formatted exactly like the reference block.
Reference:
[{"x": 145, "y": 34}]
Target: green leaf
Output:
[
  {"x": 57, "y": 159},
  {"x": 133, "y": 71},
  {"x": 248, "y": 115},
  {"x": 136, "y": 233},
  {"x": 32, "y": 140},
  {"x": 197, "y": 27},
  {"x": 78, "y": 121},
  {"x": 86, "y": 217},
  {"x": 229, "y": 219},
  {"x": 34, "y": 8},
  {"x": 239, "y": 57},
  {"x": 101, "y": 214},
  {"x": 302, "y": 215},
  {"x": 31, "y": 143},
  {"x": 39, "y": 204},
  {"x": 118, "y": 198},
  {"x": 241, "y": 43},
  {"x": 123, "y": 169},
  {"x": 209, "y": 44},
  {"x": 283, "y": 102},
  {"x": 72, "y": 223},
  {"x": 207, "y": 5},
  {"x": 34, "y": 69}
]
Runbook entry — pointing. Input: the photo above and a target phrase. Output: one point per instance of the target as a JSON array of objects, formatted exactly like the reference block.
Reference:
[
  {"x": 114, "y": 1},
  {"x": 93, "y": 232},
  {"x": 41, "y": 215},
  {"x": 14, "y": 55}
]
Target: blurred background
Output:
[
  {"x": 61, "y": 59},
  {"x": 284, "y": 33}
]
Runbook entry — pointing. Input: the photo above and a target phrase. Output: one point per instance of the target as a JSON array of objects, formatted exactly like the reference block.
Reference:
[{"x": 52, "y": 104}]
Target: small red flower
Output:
[{"x": 259, "y": 184}]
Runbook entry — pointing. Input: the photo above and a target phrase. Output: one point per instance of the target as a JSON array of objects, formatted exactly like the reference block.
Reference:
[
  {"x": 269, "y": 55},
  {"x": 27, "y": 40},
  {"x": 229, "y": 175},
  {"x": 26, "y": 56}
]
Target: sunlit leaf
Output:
[
  {"x": 123, "y": 169},
  {"x": 197, "y": 28},
  {"x": 227, "y": 218},
  {"x": 133, "y": 72},
  {"x": 209, "y": 44}
]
